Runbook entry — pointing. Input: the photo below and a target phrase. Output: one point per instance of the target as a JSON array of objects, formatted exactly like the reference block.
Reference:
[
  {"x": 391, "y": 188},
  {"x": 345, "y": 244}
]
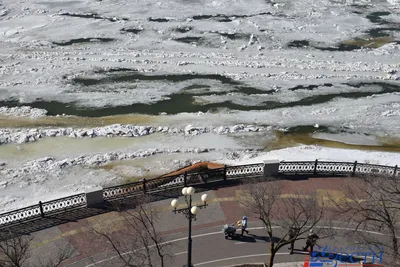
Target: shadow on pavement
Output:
[
  {"x": 27, "y": 227},
  {"x": 250, "y": 238},
  {"x": 300, "y": 252},
  {"x": 246, "y": 239}
]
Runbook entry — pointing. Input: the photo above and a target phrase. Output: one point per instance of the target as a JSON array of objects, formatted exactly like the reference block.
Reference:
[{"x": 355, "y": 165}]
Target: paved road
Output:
[{"x": 210, "y": 248}]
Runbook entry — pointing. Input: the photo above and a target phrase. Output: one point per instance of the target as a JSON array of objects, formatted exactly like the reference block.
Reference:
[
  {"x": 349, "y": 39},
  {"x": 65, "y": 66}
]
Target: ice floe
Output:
[
  {"x": 20, "y": 136},
  {"x": 24, "y": 111}
]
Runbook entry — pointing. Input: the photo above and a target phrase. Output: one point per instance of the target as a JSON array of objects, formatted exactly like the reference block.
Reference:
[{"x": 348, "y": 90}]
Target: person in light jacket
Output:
[{"x": 244, "y": 226}]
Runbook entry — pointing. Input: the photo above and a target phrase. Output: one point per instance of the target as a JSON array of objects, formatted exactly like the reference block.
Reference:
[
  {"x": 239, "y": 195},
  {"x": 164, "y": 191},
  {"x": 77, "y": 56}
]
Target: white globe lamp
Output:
[
  {"x": 193, "y": 210},
  {"x": 190, "y": 191},
  {"x": 174, "y": 203},
  {"x": 184, "y": 191}
]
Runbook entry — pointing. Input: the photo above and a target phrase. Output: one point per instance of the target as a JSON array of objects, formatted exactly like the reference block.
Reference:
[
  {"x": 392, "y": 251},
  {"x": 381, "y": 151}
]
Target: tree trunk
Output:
[
  {"x": 162, "y": 261},
  {"x": 148, "y": 255},
  {"x": 159, "y": 252},
  {"x": 271, "y": 260},
  {"x": 272, "y": 256},
  {"x": 395, "y": 247}
]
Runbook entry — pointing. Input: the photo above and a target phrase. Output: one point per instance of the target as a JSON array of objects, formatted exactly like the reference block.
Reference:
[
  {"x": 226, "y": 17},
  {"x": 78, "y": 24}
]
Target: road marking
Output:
[
  {"x": 220, "y": 232},
  {"x": 241, "y": 197},
  {"x": 169, "y": 242},
  {"x": 350, "y": 229},
  {"x": 224, "y": 199},
  {"x": 239, "y": 257},
  {"x": 294, "y": 196},
  {"x": 180, "y": 253}
]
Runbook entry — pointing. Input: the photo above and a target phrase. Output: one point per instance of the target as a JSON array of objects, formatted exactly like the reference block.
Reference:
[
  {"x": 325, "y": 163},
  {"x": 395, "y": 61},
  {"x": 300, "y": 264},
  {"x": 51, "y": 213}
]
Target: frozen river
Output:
[{"x": 228, "y": 81}]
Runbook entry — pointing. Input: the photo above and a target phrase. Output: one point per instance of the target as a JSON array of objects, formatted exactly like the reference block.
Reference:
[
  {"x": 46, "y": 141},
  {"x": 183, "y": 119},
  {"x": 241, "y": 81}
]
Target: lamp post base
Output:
[{"x": 187, "y": 265}]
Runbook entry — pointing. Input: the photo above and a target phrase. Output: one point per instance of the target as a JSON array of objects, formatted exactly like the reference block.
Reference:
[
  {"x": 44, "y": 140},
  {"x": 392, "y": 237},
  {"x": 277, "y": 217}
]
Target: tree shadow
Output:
[{"x": 266, "y": 239}]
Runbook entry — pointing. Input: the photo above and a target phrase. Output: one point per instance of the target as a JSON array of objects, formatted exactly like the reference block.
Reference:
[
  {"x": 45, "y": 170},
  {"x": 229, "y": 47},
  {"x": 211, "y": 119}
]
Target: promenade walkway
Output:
[{"x": 209, "y": 246}]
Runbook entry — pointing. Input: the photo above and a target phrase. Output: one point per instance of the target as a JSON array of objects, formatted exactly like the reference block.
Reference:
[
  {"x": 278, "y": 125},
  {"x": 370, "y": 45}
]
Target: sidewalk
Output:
[{"x": 223, "y": 208}]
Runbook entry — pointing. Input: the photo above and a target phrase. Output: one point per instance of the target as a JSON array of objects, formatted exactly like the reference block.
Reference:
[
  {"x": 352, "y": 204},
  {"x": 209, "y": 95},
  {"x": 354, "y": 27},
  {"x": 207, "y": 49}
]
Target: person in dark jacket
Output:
[
  {"x": 311, "y": 241},
  {"x": 292, "y": 235}
]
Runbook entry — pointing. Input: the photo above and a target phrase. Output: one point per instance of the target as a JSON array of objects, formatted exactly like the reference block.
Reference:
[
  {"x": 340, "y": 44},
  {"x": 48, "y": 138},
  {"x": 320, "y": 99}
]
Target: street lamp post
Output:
[{"x": 190, "y": 213}]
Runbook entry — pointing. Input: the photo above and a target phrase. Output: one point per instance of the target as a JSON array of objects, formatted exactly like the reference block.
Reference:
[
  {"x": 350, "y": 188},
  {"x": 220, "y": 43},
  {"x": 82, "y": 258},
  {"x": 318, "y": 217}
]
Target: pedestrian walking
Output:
[
  {"x": 292, "y": 235},
  {"x": 244, "y": 226},
  {"x": 311, "y": 241}
]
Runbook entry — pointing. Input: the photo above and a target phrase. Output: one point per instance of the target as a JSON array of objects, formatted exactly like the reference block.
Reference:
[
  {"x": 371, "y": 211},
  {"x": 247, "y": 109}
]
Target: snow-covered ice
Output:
[
  {"x": 21, "y": 136},
  {"x": 24, "y": 111},
  {"x": 310, "y": 153}
]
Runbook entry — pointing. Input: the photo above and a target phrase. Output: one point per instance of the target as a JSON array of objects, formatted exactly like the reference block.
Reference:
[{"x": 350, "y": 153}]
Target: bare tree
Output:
[
  {"x": 137, "y": 242},
  {"x": 62, "y": 254},
  {"x": 16, "y": 251},
  {"x": 300, "y": 211},
  {"x": 126, "y": 246},
  {"x": 372, "y": 202}
]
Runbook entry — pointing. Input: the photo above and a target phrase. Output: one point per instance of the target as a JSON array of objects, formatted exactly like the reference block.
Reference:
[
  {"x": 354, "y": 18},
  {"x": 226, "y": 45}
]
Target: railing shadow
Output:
[
  {"x": 28, "y": 227},
  {"x": 305, "y": 176}
]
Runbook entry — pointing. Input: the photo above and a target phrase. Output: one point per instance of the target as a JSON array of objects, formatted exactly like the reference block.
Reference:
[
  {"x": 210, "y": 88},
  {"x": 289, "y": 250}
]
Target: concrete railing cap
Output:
[
  {"x": 94, "y": 189},
  {"x": 271, "y": 161}
]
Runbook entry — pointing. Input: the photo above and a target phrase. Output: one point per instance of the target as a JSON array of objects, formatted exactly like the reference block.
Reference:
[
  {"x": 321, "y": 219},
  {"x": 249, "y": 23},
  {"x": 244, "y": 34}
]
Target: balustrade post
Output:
[
  {"x": 315, "y": 167},
  {"x": 225, "y": 170},
  {"x": 185, "y": 179},
  {"x": 354, "y": 169},
  {"x": 144, "y": 185},
  {"x": 41, "y": 209},
  {"x": 395, "y": 170},
  {"x": 271, "y": 168},
  {"x": 94, "y": 197}
]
